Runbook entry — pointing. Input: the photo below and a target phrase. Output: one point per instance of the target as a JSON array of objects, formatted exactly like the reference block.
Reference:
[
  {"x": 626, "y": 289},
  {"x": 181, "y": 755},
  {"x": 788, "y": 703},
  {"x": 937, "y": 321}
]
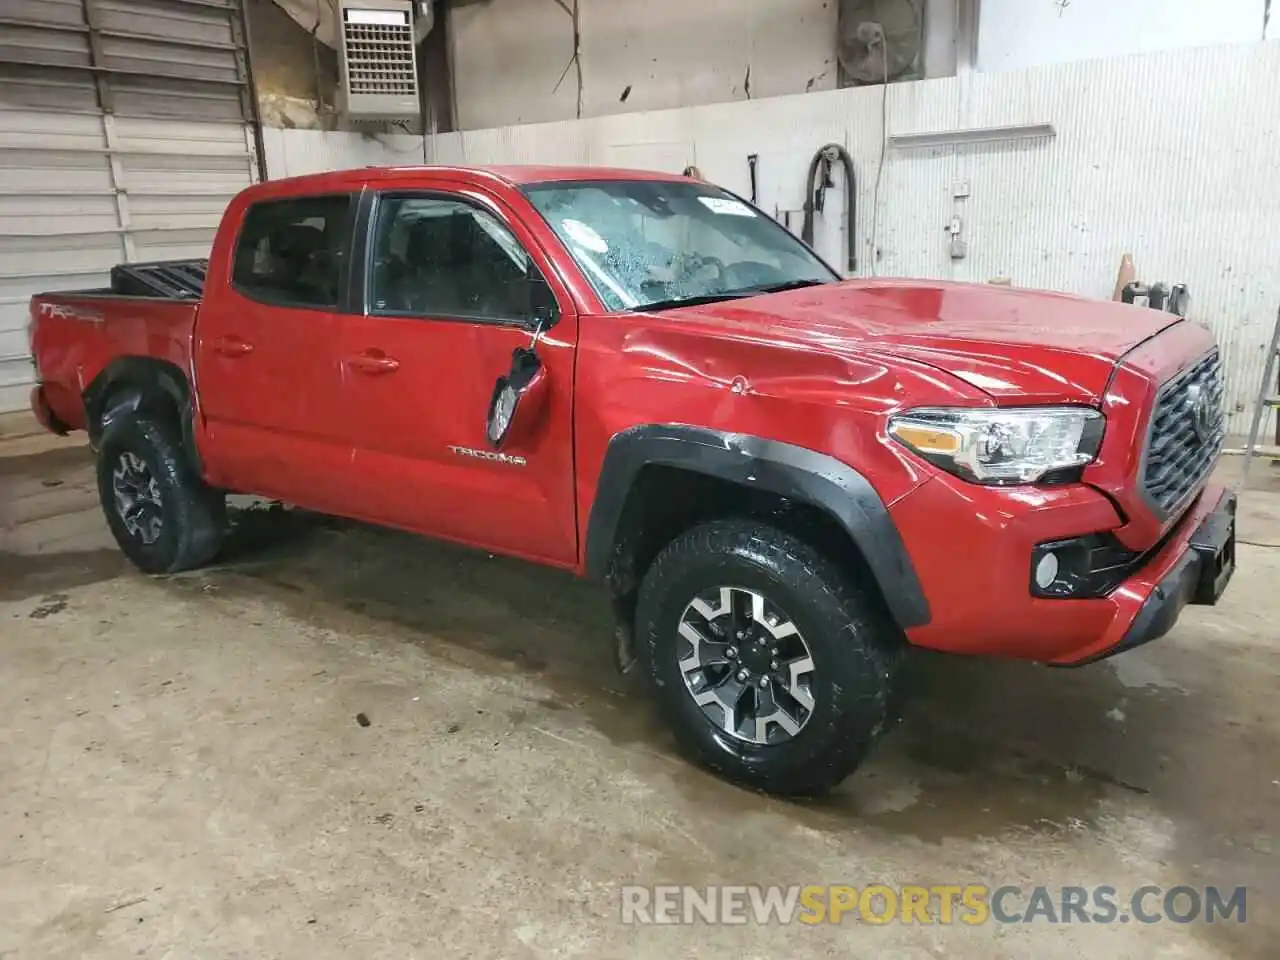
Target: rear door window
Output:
[{"x": 294, "y": 252}]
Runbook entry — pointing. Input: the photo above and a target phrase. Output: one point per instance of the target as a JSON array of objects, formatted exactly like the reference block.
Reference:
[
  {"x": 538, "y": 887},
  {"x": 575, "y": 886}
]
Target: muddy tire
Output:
[
  {"x": 163, "y": 516},
  {"x": 775, "y": 669}
]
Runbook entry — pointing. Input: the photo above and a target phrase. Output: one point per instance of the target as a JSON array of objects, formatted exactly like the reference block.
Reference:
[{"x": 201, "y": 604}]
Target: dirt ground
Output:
[{"x": 182, "y": 771}]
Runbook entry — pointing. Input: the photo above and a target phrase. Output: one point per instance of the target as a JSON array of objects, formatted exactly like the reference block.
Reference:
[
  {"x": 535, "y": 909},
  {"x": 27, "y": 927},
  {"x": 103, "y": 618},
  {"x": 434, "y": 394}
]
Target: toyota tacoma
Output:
[{"x": 785, "y": 479}]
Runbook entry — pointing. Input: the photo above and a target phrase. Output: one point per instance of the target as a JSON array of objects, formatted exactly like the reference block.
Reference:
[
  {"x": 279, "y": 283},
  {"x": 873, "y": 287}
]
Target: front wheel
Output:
[
  {"x": 163, "y": 516},
  {"x": 776, "y": 669}
]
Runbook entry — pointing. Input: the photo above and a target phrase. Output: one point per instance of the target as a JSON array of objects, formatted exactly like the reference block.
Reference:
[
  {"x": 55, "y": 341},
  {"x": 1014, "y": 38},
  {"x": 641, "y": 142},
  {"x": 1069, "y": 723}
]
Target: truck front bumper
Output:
[
  {"x": 1197, "y": 575},
  {"x": 972, "y": 548}
]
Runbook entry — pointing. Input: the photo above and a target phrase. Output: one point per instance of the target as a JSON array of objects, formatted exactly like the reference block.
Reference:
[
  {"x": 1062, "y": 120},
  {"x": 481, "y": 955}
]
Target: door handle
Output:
[
  {"x": 373, "y": 363},
  {"x": 232, "y": 347}
]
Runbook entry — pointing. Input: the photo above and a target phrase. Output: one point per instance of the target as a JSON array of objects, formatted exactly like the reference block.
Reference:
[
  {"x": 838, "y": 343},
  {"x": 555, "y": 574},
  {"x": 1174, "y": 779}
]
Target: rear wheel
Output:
[
  {"x": 163, "y": 516},
  {"x": 775, "y": 668}
]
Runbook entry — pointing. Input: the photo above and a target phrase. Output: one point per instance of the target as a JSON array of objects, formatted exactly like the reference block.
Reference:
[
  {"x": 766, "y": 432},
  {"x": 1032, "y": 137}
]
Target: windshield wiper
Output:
[
  {"x": 789, "y": 285},
  {"x": 698, "y": 300},
  {"x": 723, "y": 295}
]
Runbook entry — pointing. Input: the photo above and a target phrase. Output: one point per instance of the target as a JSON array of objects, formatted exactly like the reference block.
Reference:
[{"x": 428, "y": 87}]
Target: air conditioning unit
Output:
[{"x": 379, "y": 68}]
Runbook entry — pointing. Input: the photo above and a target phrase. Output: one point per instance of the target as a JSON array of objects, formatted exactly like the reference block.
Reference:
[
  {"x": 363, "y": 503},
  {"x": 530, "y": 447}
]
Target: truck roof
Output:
[{"x": 510, "y": 175}]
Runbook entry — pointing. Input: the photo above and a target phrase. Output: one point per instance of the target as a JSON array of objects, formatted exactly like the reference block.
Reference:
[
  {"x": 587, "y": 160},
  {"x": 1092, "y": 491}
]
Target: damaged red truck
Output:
[{"x": 784, "y": 478}]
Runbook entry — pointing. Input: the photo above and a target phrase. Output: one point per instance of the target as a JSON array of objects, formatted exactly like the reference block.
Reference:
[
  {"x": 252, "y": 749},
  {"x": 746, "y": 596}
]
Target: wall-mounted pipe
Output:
[
  {"x": 240, "y": 17},
  {"x": 424, "y": 21}
]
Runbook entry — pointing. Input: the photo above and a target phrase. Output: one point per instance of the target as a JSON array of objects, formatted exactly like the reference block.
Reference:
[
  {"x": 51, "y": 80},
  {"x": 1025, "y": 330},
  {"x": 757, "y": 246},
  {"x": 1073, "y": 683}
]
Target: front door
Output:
[
  {"x": 266, "y": 356},
  {"x": 447, "y": 303}
]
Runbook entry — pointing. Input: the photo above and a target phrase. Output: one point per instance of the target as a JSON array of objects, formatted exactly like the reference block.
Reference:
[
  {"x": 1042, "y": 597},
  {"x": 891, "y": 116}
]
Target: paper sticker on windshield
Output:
[
  {"x": 726, "y": 205},
  {"x": 584, "y": 236}
]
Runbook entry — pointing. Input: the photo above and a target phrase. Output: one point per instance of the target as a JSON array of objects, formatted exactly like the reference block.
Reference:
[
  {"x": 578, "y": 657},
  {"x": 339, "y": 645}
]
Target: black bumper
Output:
[
  {"x": 1198, "y": 578},
  {"x": 44, "y": 412}
]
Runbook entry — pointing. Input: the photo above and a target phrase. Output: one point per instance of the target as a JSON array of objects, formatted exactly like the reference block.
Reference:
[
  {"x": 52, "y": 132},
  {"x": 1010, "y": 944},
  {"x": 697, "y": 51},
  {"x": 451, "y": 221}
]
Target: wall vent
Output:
[{"x": 379, "y": 68}]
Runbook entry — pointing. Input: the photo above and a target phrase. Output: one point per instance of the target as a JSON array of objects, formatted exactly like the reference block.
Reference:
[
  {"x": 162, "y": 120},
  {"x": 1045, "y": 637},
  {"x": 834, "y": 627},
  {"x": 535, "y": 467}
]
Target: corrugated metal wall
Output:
[
  {"x": 1168, "y": 156},
  {"x": 124, "y": 130}
]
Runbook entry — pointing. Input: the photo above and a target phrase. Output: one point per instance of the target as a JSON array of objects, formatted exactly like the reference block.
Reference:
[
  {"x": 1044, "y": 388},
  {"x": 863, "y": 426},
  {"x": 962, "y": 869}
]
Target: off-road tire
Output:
[
  {"x": 193, "y": 514},
  {"x": 855, "y": 647}
]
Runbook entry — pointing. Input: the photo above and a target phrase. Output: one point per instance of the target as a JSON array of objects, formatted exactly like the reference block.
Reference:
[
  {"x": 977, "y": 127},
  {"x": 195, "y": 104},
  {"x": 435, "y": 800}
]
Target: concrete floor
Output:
[{"x": 182, "y": 773}]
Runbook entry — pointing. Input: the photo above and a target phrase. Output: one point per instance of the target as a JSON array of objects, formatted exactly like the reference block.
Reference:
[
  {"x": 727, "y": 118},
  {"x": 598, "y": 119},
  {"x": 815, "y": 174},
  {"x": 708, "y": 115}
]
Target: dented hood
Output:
[{"x": 1016, "y": 345}]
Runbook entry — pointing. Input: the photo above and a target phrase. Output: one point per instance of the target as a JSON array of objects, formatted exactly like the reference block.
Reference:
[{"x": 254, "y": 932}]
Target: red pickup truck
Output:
[{"x": 784, "y": 478}]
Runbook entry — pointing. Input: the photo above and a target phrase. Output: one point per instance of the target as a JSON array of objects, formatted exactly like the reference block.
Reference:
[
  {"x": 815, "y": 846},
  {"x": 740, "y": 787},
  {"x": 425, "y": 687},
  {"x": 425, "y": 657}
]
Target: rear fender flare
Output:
[
  {"x": 796, "y": 473},
  {"x": 129, "y": 384}
]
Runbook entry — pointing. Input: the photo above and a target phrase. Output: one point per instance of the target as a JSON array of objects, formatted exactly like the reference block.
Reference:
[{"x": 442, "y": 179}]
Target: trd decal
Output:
[{"x": 67, "y": 312}]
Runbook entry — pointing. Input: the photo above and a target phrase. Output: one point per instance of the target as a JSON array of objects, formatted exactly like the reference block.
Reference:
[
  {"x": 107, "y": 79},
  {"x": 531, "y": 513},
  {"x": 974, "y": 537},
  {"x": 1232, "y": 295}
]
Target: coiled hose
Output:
[{"x": 814, "y": 192}]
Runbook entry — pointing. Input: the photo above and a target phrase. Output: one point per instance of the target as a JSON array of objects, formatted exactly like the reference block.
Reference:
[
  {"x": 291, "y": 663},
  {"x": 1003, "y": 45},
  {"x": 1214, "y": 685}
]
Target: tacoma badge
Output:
[{"x": 489, "y": 455}]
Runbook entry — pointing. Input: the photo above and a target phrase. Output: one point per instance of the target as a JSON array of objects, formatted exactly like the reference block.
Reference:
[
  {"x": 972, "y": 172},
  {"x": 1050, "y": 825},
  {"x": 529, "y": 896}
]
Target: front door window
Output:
[{"x": 447, "y": 258}]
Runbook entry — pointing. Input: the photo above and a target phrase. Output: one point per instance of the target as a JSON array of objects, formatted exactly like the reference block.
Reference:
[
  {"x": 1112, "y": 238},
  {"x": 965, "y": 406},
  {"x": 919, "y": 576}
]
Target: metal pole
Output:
[
  {"x": 241, "y": 12},
  {"x": 1260, "y": 408}
]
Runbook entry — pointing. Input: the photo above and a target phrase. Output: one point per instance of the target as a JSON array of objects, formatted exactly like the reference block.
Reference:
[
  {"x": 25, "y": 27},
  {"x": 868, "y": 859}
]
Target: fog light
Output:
[
  {"x": 1047, "y": 571},
  {"x": 1084, "y": 567}
]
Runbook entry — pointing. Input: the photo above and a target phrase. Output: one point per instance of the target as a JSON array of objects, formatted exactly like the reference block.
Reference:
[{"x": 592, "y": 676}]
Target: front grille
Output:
[{"x": 1185, "y": 436}]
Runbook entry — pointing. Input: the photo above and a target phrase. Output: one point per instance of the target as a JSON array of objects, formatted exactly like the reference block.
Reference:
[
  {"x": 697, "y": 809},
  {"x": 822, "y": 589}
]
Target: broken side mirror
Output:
[{"x": 518, "y": 398}]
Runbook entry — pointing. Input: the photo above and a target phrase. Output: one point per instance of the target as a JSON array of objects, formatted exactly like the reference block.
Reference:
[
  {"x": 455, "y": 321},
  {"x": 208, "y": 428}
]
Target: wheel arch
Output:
[
  {"x": 130, "y": 384},
  {"x": 757, "y": 466}
]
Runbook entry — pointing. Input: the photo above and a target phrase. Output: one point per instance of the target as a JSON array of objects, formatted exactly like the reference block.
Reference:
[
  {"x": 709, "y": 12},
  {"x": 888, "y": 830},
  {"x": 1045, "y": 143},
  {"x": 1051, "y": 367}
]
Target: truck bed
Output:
[{"x": 76, "y": 335}]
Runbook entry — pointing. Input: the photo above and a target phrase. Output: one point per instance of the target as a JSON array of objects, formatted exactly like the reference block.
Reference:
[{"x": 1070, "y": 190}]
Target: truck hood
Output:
[{"x": 1017, "y": 346}]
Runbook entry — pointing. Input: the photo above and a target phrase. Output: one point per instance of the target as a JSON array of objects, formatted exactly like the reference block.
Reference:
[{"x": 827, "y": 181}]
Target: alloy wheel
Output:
[
  {"x": 137, "y": 498},
  {"x": 746, "y": 665}
]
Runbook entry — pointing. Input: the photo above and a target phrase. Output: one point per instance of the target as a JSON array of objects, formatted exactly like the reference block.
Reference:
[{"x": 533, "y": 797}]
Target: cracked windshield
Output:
[{"x": 653, "y": 244}]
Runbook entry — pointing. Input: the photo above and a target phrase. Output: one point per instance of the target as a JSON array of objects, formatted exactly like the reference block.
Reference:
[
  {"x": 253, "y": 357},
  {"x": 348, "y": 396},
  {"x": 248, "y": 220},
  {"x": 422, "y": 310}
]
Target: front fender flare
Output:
[{"x": 796, "y": 473}]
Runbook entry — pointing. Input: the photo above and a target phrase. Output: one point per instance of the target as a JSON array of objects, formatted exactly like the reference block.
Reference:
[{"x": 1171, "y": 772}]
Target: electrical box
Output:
[{"x": 379, "y": 68}]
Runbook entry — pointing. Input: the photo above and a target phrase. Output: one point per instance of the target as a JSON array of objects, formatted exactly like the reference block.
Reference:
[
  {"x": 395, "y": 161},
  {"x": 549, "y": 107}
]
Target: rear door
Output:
[
  {"x": 267, "y": 370},
  {"x": 446, "y": 303}
]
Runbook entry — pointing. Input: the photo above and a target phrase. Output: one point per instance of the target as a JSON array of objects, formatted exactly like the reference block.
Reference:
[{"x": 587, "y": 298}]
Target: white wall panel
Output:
[
  {"x": 294, "y": 153},
  {"x": 1015, "y": 34},
  {"x": 1167, "y": 156}
]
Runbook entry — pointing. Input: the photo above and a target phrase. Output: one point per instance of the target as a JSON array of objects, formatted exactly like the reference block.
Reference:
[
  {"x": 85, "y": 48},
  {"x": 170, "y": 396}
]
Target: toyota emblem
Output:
[{"x": 1201, "y": 411}]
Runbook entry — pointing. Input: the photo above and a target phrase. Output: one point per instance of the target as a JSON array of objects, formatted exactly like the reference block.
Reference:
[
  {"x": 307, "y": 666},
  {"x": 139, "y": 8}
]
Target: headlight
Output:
[{"x": 1002, "y": 446}]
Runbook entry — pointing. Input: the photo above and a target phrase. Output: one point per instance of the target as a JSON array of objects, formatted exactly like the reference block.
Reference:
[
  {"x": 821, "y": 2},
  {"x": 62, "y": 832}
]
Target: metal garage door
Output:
[{"x": 125, "y": 127}]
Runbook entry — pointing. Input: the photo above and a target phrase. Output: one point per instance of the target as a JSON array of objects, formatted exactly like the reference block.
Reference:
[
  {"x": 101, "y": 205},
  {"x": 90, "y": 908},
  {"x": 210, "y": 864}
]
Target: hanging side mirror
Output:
[{"x": 518, "y": 398}]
